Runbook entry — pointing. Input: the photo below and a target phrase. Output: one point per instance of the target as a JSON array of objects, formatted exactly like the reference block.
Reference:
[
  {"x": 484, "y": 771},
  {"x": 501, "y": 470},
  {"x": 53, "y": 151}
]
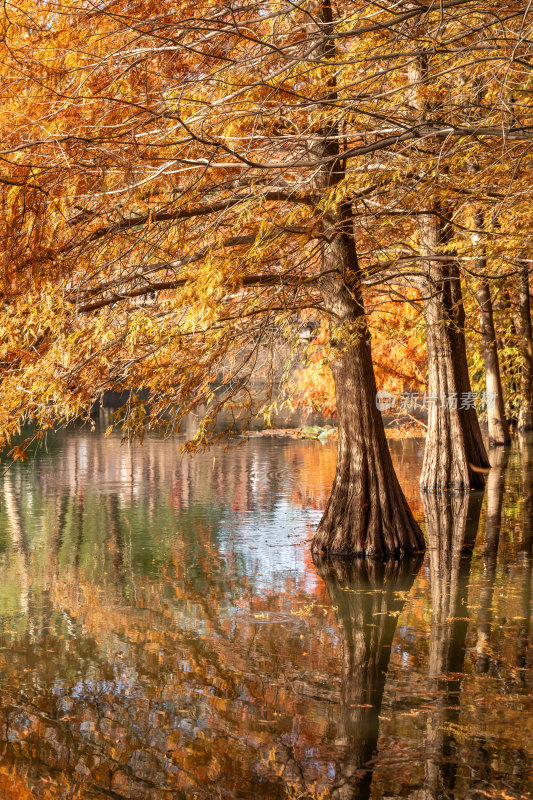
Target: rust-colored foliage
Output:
[{"x": 398, "y": 351}]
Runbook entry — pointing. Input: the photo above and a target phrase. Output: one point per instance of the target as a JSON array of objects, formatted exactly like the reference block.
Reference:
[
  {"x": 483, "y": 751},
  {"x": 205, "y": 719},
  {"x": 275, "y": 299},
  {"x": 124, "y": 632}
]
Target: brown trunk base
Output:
[
  {"x": 381, "y": 527},
  {"x": 499, "y": 443},
  {"x": 367, "y": 513},
  {"x": 455, "y": 456}
]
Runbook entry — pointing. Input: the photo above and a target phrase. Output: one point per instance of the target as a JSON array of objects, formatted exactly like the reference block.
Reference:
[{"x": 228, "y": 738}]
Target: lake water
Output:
[{"x": 164, "y": 632}]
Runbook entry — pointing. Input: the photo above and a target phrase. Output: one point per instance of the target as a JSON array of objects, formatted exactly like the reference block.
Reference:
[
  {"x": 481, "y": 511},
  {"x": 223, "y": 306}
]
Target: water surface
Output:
[{"x": 164, "y": 632}]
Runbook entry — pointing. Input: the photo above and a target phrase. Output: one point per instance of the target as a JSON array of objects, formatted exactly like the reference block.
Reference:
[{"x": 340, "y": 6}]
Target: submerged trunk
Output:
[
  {"x": 452, "y": 524},
  {"x": 454, "y": 456},
  {"x": 525, "y": 418},
  {"x": 368, "y": 598},
  {"x": 497, "y": 422},
  {"x": 367, "y": 513}
]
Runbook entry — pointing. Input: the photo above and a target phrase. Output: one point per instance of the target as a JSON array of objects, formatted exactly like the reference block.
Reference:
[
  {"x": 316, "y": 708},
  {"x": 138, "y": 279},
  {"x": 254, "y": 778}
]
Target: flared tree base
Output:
[
  {"x": 367, "y": 514},
  {"x": 371, "y": 530}
]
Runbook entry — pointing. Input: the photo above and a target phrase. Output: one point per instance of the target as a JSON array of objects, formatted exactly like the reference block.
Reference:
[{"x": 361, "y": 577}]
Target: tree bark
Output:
[
  {"x": 367, "y": 513},
  {"x": 368, "y": 597},
  {"x": 525, "y": 417},
  {"x": 497, "y": 421},
  {"x": 509, "y": 365},
  {"x": 454, "y": 456}
]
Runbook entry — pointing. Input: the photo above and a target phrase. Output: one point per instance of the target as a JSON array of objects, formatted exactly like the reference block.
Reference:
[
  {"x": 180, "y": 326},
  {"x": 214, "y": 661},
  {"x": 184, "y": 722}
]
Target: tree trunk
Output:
[
  {"x": 509, "y": 365},
  {"x": 368, "y": 597},
  {"x": 497, "y": 421},
  {"x": 454, "y": 449},
  {"x": 367, "y": 513},
  {"x": 525, "y": 418},
  {"x": 454, "y": 456}
]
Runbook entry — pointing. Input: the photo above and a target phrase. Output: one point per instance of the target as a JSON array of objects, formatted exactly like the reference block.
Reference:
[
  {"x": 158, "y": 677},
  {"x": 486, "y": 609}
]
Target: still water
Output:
[{"x": 164, "y": 632}]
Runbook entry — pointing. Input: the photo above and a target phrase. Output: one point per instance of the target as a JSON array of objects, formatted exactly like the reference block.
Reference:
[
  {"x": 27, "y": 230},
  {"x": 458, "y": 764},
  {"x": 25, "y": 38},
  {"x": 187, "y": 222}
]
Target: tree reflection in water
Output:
[
  {"x": 452, "y": 522},
  {"x": 526, "y": 549},
  {"x": 495, "y": 492},
  {"x": 368, "y": 597},
  {"x": 164, "y": 633}
]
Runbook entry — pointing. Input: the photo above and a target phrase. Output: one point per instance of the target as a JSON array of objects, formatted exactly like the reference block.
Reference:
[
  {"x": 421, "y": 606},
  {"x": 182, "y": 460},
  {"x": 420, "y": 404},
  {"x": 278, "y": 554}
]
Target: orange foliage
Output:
[
  {"x": 398, "y": 345},
  {"x": 398, "y": 353}
]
